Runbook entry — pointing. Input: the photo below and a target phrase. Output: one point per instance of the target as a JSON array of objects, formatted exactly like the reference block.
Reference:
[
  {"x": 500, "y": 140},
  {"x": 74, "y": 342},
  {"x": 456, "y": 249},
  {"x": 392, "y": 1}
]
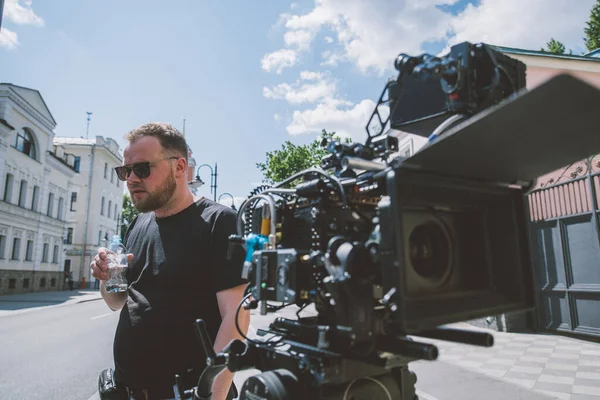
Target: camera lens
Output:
[{"x": 429, "y": 251}]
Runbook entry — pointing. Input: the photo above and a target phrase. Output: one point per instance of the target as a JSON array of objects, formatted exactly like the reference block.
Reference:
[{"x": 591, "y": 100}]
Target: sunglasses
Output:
[{"x": 141, "y": 169}]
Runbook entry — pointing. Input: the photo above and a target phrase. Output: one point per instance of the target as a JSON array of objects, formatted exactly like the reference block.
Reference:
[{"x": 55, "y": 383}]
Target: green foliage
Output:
[
  {"x": 555, "y": 47},
  {"x": 291, "y": 158},
  {"x": 592, "y": 32},
  {"x": 129, "y": 213}
]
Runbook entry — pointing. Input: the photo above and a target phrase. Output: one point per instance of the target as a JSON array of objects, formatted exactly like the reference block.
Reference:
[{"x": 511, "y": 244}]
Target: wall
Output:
[
  {"x": 105, "y": 155},
  {"x": 34, "y": 269}
]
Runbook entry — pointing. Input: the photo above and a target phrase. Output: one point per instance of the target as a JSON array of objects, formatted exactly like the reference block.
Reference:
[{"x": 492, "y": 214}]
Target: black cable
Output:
[{"x": 237, "y": 323}]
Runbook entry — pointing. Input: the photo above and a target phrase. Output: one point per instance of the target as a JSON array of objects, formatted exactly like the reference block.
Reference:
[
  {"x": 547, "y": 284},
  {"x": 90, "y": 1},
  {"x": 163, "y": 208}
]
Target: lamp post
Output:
[
  {"x": 232, "y": 199},
  {"x": 1, "y": 10},
  {"x": 213, "y": 179}
]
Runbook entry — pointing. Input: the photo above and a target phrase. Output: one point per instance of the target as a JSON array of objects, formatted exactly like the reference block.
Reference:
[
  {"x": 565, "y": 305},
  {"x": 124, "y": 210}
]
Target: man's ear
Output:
[{"x": 181, "y": 167}]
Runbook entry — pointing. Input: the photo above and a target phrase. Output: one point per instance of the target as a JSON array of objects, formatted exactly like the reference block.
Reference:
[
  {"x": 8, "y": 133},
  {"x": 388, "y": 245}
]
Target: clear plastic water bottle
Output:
[{"x": 116, "y": 259}]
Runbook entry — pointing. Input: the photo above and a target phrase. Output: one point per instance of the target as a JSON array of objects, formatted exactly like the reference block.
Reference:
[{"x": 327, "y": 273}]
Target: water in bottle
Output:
[{"x": 116, "y": 258}]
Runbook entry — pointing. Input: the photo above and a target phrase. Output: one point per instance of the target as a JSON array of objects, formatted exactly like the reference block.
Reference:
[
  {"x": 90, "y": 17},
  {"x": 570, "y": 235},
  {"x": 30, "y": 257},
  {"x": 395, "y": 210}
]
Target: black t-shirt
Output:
[{"x": 180, "y": 263}]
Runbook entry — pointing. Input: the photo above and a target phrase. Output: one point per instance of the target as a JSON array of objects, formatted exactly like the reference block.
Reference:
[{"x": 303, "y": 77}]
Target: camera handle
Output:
[{"x": 215, "y": 363}]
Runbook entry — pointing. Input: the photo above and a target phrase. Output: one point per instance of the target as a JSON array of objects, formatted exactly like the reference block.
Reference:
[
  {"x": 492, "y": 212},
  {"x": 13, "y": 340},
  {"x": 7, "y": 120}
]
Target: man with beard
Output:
[{"x": 178, "y": 272}]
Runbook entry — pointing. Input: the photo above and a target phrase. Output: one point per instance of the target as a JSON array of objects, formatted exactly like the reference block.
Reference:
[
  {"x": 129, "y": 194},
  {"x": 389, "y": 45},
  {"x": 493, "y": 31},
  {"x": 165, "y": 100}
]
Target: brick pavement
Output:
[{"x": 560, "y": 367}]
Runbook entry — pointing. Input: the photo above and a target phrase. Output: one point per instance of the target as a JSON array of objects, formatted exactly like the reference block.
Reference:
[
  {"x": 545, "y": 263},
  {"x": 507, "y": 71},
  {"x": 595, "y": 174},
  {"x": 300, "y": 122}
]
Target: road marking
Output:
[
  {"x": 425, "y": 396},
  {"x": 103, "y": 315}
]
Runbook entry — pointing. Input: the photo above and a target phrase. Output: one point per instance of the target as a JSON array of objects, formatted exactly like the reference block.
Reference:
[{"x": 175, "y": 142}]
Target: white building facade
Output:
[
  {"x": 36, "y": 180},
  {"x": 96, "y": 204}
]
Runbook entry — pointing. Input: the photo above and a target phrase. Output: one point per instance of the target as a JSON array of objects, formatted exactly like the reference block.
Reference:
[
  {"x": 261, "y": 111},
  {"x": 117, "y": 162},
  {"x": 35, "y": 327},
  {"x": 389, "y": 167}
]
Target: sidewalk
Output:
[
  {"x": 557, "y": 366},
  {"x": 13, "y": 304}
]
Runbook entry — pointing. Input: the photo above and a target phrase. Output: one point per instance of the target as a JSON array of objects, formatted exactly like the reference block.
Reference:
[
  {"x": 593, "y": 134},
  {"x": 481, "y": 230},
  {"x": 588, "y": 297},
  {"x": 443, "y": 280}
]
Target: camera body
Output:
[{"x": 390, "y": 248}]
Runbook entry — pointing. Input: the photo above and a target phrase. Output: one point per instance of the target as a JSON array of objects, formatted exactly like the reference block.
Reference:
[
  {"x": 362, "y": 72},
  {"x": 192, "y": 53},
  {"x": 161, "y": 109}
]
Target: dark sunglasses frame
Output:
[{"x": 142, "y": 169}]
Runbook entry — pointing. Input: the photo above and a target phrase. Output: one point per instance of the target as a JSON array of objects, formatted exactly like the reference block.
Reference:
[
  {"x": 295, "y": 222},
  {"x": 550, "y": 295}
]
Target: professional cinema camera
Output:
[{"x": 387, "y": 249}]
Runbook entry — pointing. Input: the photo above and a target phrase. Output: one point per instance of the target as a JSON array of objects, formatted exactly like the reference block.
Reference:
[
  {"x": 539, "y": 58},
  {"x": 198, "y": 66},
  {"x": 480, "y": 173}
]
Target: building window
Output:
[
  {"x": 105, "y": 170},
  {"x": 16, "y": 250},
  {"x": 60, "y": 208},
  {"x": 25, "y": 283},
  {"x": 50, "y": 204},
  {"x": 23, "y": 193},
  {"x": 53, "y": 282},
  {"x": 73, "y": 200},
  {"x": 109, "y": 208},
  {"x": 45, "y": 252},
  {"x": 36, "y": 198},
  {"x": 2, "y": 247},
  {"x": 77, "y": 163},
  {"x": 70, "y": 236},
  {"x": 24, "y": 143},
  {"x": 99, "y": 238},
  {"x": 29, "y": 251},
  {"x": 115, "y": 213},
  {"x": 8, "y": 187},
  {"x": 42, "y": 282},
  {"x": 112, "y": 175},
  {"x": 102, "y": 206},
  {"x": 55, "y": 254},
  {"x": 12, "y": 283}
]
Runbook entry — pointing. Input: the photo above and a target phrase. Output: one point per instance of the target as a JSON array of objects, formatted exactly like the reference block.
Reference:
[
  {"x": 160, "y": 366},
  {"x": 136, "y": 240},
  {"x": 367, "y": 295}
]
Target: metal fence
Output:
[{"x": 566, "y": 248}]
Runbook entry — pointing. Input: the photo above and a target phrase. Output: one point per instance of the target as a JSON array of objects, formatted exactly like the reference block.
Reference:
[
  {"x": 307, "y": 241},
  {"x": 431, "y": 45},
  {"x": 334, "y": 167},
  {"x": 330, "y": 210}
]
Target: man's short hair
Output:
[{"x": 169, "y": 137}]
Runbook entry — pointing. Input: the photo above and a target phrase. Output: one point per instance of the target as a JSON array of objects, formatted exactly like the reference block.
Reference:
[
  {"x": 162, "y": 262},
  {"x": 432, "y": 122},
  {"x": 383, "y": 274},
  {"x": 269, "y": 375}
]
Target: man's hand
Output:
[{"x": 99, "y": 266}]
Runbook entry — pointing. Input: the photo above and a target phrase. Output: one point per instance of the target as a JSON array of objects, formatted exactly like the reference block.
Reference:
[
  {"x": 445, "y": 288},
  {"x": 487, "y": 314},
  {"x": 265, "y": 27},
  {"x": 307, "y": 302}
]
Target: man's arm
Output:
[{"x": 228, "y": 301}]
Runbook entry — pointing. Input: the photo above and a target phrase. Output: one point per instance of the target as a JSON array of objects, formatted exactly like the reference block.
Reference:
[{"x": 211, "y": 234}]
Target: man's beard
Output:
[{"x": 158, "y": 198}]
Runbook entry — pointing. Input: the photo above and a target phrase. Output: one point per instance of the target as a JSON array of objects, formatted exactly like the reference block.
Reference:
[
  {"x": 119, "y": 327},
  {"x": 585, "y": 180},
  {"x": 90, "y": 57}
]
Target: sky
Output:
[{"x": 246, "y": 75}]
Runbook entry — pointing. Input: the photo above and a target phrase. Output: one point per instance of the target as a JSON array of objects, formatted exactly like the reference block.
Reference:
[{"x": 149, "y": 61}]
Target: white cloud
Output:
[
  {"x": 311, "y": 87},
  {"x": 329, "y": 111},
  {"x": 370, "y": 34},
  {"x": 301, "y": 39},
  {"x": 523, "y": 24},
  {"x": 279, "y": 60},
  {"x": 8, "y": 39},
  {"x": 276, "y": 117},
  {"x": 20, "y": 14},
  {"x": 344, "y": 118}
]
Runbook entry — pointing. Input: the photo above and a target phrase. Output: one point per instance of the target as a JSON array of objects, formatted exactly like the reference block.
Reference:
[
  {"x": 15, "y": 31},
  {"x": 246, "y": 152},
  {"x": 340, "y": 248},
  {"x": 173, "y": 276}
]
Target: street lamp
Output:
[
  {"x": 232, "y": 199},
  {"x": 213, "y": 179}
]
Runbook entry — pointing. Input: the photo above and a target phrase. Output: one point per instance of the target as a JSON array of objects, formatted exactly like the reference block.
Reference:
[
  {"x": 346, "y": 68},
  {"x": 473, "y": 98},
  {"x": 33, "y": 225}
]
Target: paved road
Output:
[{"x": 55, "y": 352}]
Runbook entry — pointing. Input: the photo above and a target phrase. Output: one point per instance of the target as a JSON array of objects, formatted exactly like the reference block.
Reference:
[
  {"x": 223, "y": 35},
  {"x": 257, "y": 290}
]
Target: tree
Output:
[
  {"x": 291, "y": 158},
  {"x": 555, "y": 47},
  {"x": 129, "y": 213},
  {"x": 592, "y": 32}
]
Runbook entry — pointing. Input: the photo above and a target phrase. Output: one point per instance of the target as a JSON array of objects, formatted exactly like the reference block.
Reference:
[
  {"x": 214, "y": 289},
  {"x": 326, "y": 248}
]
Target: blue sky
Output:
[{"x": 246, "y": 75}]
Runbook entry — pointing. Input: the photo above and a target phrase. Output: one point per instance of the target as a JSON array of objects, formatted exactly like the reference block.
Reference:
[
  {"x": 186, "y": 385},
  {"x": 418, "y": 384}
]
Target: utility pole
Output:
[
  {"x": 89, "y": 114},
  {"x": 1, "y": 12}
]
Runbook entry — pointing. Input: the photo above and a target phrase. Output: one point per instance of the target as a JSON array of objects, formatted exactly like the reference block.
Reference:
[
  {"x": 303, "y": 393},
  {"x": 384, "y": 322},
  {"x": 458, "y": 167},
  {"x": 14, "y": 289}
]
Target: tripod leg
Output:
[{"x": 406, "y": 380}]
